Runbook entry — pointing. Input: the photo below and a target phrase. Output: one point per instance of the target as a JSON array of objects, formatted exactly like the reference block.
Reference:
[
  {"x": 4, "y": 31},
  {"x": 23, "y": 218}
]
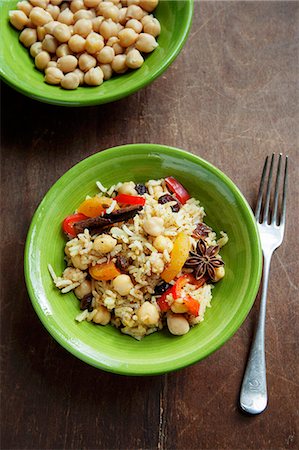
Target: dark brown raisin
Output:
[
  {"x": 161, "y": 287},
  {"x": 166, "y": 198},
  {"x": 141, "y": 189},
  {"x": 85, "y": 302},
  {"x": 122, "y": 263}
]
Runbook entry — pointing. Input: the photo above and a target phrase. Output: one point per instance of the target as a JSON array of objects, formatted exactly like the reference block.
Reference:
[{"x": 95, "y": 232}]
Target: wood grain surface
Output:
[{"x": 232, "y": 98}]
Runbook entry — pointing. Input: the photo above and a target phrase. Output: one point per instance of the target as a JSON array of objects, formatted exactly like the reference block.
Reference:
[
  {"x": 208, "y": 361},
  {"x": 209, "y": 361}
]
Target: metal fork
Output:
[{"x": 271, "y": 224}]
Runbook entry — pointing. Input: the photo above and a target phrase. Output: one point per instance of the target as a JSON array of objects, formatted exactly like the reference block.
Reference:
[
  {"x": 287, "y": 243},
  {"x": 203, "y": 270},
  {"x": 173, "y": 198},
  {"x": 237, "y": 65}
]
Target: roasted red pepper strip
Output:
[
  {"x": 130, "y": 199},
  {"x": 182, "y": 281},
  {"x": 163, "y": 304},
  {"x": 178, "y": 189},
  {"x": 68, "y": 223},
  {"x": 192, "y": 305}
]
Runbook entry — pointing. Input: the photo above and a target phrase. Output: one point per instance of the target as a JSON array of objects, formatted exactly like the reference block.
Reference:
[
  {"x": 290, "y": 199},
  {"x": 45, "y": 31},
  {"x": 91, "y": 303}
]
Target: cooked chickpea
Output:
[
  {"x": 28, "y": 37},
  {"x": 18, "y": 19},
  {"x": 134, "y": 59},
  {"x": 106, "y": 55},
  {"x": 122, "y": 284},
  {"x": 107, "y": 71},
  {"x": 108, "y": 28},
  {"x": 56, "y": 2},
  {"x": 148, "y": 314},
  {"x": 86, "y": 62},
  {"x": 83, "y": 14},
  {"x": 152, "y": 27},
  {"x": 96, "y": 23},
  {"x": 118, "y": 49},
  {"x": 178, "y": 307},
  {"x": 127, "y": 188},
  {"x": 77, "y": 43},
  {"x": 83, "y": 27},
  {"x": 80, "y": 75},
  {"x": 122, "y": 16},
  {"x": 62, "y": 32},
  {"x": 42, "y": 59},
  {"x": 63, "y": 50},
  {"x": 103, "y": 316},
  {"x": 67, "y": 63},
  {"x": 104, "y": 243},
  {"x": 35, "y": 49},
  {"x": 24, "y": 6},
  {"x": 71, "y": 81},
  {"x": 83, "y": 289},
  {"x": 66, "y": 16},
  {"x": 112, "y": 40},
  {"x": 135, "y": 25},
  {"x": 177, "y": 324},
  {"x": 77, "y": 5},
  {"x": 134, "y": 12},
  {"x": 154, "y": 226},
  {"x": 51, "y": 64},
  {"x": 148, "y": 5},
  {"x": 91, "y": 3},
  {"x": 40, "y": 3},
  {"x": 49, "y": 43},
  {"x": 53, "y": 75},
  {"x": 39, "y": 16},
  {"x": 219, "y": 273},
  {"x": 49, "y": 27},
  {"x": 127, "y": 37},
  {"x": 41, "y": 33},
  {"x": 146, "y": 43},
  {"x": 162, "y": 243},
  {"x": 110, "y": 12},
  {"x": 94, "y": 76},
  {"x": 146, "y": 19},
  {"x": 94, "y": 43},
  {"x": 53, "y": 10}
]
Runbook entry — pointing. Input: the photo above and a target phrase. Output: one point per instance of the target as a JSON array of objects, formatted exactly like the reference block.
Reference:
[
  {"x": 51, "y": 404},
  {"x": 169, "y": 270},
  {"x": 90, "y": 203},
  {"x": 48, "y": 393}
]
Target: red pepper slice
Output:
[
  {"x": 192, "y": 305},
  {"x": 178, "y": 189},
  {"x": 68, "y": 223},
  {"x": 163, "y": 304},
  {"x": 183, "y": 280},
  {"x": 130, "y": 199}
]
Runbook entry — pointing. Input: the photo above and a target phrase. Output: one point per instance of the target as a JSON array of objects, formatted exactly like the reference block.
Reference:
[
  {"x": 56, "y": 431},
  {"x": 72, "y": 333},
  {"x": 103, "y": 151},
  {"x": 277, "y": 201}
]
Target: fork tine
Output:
[
  {"x": 276, "y": 190},
  {"x": 284, "y": 194},
  {"x": 268, "y": 192},
  {"x": 261, "y": 188}
]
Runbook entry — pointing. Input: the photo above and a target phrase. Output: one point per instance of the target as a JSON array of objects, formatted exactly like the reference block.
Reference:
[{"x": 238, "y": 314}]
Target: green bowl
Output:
[
  {"x": 17, "y": 66},
  {"x": 105, "y": 347}
]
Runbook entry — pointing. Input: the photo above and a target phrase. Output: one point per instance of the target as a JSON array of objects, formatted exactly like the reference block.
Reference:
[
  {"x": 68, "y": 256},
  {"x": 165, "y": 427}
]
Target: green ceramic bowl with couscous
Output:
[{"x": 18, "y": 70}]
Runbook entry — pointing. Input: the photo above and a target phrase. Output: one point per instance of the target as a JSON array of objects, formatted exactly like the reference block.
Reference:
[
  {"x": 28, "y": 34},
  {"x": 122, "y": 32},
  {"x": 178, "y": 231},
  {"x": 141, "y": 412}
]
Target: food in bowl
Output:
[
  {"x": 86, "y": 41},
  {"x": 140, "y": 257}
]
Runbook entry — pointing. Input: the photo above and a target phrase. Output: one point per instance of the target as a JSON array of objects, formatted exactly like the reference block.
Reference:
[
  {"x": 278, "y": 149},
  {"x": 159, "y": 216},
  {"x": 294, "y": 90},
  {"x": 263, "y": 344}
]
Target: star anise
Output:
[
  {"x": 201, "y": 231},
  {"x": 204, "y": 261}
]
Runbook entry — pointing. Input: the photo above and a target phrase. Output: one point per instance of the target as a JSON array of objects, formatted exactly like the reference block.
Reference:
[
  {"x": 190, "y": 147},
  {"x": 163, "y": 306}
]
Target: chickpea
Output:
[
  {"x": 103, "y": 316},
  {"x": 83, "y": 14},
  {"x": 219, "y": 273},
  {"x": 152, "y": 27},
  {"x": 83, "y": 289},
  {"x": 162, "y": 243},
  {"x": 127, "y": 37},
  {"x": 148, "y": 314},
  {"x": 42, "y": 59},
  {"x": 40, "y": 3},
  {"x": 53, "y": 75},
  {"x": 62, "y": 32},
  {"x": 56, "y": 2},
  {"x": 18, "y": 19},
  {"x": 134, "y": 12},
  {"x": 77, "y": 5},
  {"x": 96, "y": 23},
  {"x": 92, "y": 3},
  {"x": 112, "y": 40},
  {"x": 178, "y": 307},
  {"x": 149, "y": 5},
  {"x": 134, "y": 59},
  {"x": 24, "y": 6},
  {"x": 77, "y": 43},
  {"x": 104, "y": 243},
  {"x": 28, "y": 37},
  {"x": 50, "y": 44},
  {"x": 118, "y": 49},
  {"x": 135, "y": 25},
  {"x": 111, "y": 12},
  {"x": 177, "y": 324},
  {"x": 86, "y": 62},
  {"x": 94, "y": 43},
  {"x": 106, "y": 55},
  {"x": 133, "y": 2},
  {"x": 83, "y": 27},
  {"x": 67, "y": 63},
  {"x": 154, "y": 226},
  {"x": 51, "y": 64},
  {"x": 39, "y": 16},
  {"x": 41, "y": 33},
  {"x": 66, "y": 17},
  {"x": 70, "y": 81},
  {"x": 146, "y": 43},
  {"x": 71, "y": 28},
  {"x": 80, "y": 75},
  {"x": 122, "y": 284},
  {"x": 146, "y": 19},
  {"x": 107, "y": 71},
  {"x": 119, "y": 64},
  {"x": 94, "y": 76},
  {"x": 49, "y": 27},
  {"x": 127, "y": 188},
  {"x": 63, "y": 50},
  {"x": 122, "y": 16},
  {"x": 53, "y": 10},
  {"x": 108, "y": 28},
  {"x": 35, "y": 49}
]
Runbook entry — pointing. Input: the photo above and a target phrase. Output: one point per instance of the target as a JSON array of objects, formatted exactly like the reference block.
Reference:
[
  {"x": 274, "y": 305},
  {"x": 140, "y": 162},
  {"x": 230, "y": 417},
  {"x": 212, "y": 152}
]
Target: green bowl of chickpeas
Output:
[{"x": 89, "y": 52}]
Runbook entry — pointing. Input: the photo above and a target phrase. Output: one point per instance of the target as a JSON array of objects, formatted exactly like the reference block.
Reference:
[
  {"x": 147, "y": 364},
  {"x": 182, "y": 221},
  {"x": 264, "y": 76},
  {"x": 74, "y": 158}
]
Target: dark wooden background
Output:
[{"x": 231, "y": 98}]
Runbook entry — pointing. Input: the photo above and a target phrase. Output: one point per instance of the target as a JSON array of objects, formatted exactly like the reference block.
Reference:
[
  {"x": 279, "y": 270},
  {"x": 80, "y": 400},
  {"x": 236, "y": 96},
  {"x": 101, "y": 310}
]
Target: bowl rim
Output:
[
  {"x": 112, "y": 97},
  {"x": 251, "y": 292}
]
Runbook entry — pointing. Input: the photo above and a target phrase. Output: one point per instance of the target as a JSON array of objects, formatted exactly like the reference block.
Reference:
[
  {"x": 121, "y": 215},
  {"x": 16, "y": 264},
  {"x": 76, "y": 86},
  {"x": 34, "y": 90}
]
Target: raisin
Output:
[
  {"x": 166, "y": 198},
  {"x": 122, "y": 263},
  {"x": 85, "y": 302},
  {"x": 161, "y": 287},
  {"x": 141, "y": 189}
]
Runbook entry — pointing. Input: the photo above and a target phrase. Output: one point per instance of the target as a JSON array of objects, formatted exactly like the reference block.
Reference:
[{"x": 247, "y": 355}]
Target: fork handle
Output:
[{"x": 253, "y": 397}]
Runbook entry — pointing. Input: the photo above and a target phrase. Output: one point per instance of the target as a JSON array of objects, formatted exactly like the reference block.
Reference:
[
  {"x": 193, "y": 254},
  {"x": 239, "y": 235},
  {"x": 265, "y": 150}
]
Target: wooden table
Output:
[{"x": 231, "y": 98}]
